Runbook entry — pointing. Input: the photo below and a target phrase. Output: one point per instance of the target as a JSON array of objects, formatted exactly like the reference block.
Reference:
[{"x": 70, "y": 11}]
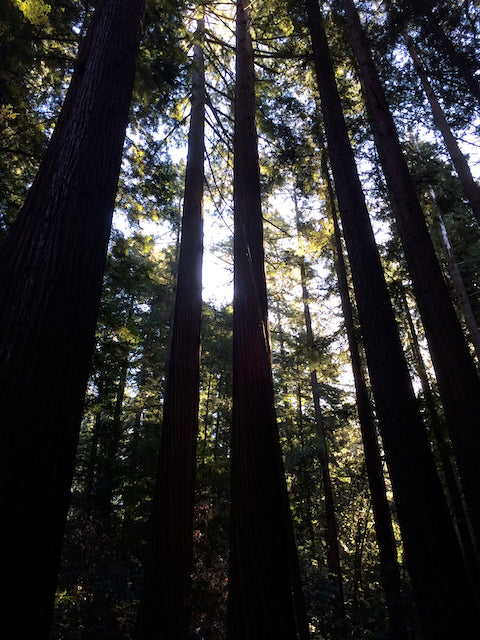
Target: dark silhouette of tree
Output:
[
  {"x": 423, "y": 515},
  {"x": 264, "y": 590},
  {"x": 52, "y": 267},
  {"x": 165, "y": 602},
  {"x": 387, "y": 546},
  {"x": 456, "y": 374}
]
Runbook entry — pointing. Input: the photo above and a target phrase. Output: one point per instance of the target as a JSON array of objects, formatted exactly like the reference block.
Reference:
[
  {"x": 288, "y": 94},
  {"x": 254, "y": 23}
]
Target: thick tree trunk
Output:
[
  {"x": 432, "y": 551},
  {"x": 470, "y": 187},
  {"x": 165, "y": 601},
  {"x": 387, "y": 546},
  {"x": 456, "y": 374},
  {"x": 262, "y": 583},
  {"x": 52, "y": 267}
]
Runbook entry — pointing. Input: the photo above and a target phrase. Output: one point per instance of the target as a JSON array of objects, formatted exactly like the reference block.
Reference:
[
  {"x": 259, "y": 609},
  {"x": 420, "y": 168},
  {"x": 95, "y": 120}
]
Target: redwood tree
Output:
[
  {"x": 52, "y": 267},
  {"x": 432, "y": 551},
  {"x": 456, "y": 374},
  {"x": 164, "y": 606},
  {"x": 263, "y": 570},
  {"x": 387, "y": 546}
]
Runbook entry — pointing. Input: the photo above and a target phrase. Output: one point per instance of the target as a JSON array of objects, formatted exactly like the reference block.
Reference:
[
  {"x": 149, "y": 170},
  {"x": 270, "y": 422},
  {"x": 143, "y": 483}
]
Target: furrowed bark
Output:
[
  {"x": 265, "y": 599},
  {"x": 52, "y": 267}
]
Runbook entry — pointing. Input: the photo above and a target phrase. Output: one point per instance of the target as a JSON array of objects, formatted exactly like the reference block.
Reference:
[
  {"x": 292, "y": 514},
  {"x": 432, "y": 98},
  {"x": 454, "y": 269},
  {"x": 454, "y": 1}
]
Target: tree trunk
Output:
[
  {"x": 453, "y": 492},
  {"x": 387, "y": 546},
  {"x": 333, "y": 552},
  {"x": 165, "y": 601},
  {"x": 456, "y": 374},
  {"x": 459, "y": 287},
  {"x": 109, "y": 436},
  {"x": 52, "y": 267},
  {"x": 432, "y": 551},
  {"x": 262, "y": 583},
  {"x": 469, "y": 185}
]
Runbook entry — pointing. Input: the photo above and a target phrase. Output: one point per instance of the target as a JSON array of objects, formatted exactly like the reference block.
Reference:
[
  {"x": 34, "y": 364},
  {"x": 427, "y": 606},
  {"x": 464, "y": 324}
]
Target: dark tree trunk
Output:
[
  {"x": 456, "y": 374},
  {"x": 263, "y": 579},
  {"x": 469, "y": 185},
  {"x": 109, "y": 434},
  {"x": 437, "y": 429},
  {"x": 165, "y": 601},
  {"x": 432, "y": 551},
  {"x": 387, "y": 546},
  {"x": 52, "y": 267}
]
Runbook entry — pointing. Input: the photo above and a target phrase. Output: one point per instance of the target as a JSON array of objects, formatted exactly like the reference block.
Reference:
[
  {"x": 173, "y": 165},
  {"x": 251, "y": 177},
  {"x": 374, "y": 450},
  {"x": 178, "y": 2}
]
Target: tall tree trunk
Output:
[
  {"x": 165, "y": 601},
  {"x": 447, "y": 465},
  {"x": 432, "y": 551},
  {"x": 459, "y": 286},
  {"x": 470, "y": 187},
  {"x": 387, "y": 546},
  {"x": 262, "y": 583},
  {"x": 333, "y": 549},
  {"x": 206, "y": 417},
  {"x": 52, "y": 267},
  {"x": 109, "y": 436},
  {"x": 456, "y": 374}
]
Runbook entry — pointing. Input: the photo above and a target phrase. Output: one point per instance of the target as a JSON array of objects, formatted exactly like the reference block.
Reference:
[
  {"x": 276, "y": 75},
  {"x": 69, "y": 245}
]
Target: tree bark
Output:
[
  {"x": 264, "y": 592},
  {"x": 52, "y": 267},
  {"x": 164, "y": 608},
  {"x": 432, "y": 551}
]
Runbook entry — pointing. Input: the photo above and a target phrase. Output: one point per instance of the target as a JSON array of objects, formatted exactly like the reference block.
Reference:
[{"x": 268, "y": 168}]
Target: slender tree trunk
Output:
[
  {"x": 52, "y": 267},
  {"x": 206, "y": 416},
  {"x": 456, "y": 374},
  {"x": 449, "y": 472},
  {"x": 431, "y": 25},
  {"x": 459, "y": 287},
  {"x": 333, "y": 549},
  {"x": 305, "y": 475},
  {"x": 92, "y": 463},
  {"x": 432, "y": 551},
  {"x": 165, "y": 601},
  {"x": 109, "y": 437},
  {"x": 262, "y": 583},
  {"x": 387, "y": 546},
  {"x": 470, "y": 187}
]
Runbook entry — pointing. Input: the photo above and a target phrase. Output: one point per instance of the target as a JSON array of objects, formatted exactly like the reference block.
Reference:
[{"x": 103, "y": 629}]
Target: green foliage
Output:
[{"x": 35, "y": 11}]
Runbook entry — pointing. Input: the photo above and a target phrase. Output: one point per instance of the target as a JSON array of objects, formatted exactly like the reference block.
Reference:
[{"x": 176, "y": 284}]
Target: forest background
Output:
[{"x": 424, "y": 52}]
